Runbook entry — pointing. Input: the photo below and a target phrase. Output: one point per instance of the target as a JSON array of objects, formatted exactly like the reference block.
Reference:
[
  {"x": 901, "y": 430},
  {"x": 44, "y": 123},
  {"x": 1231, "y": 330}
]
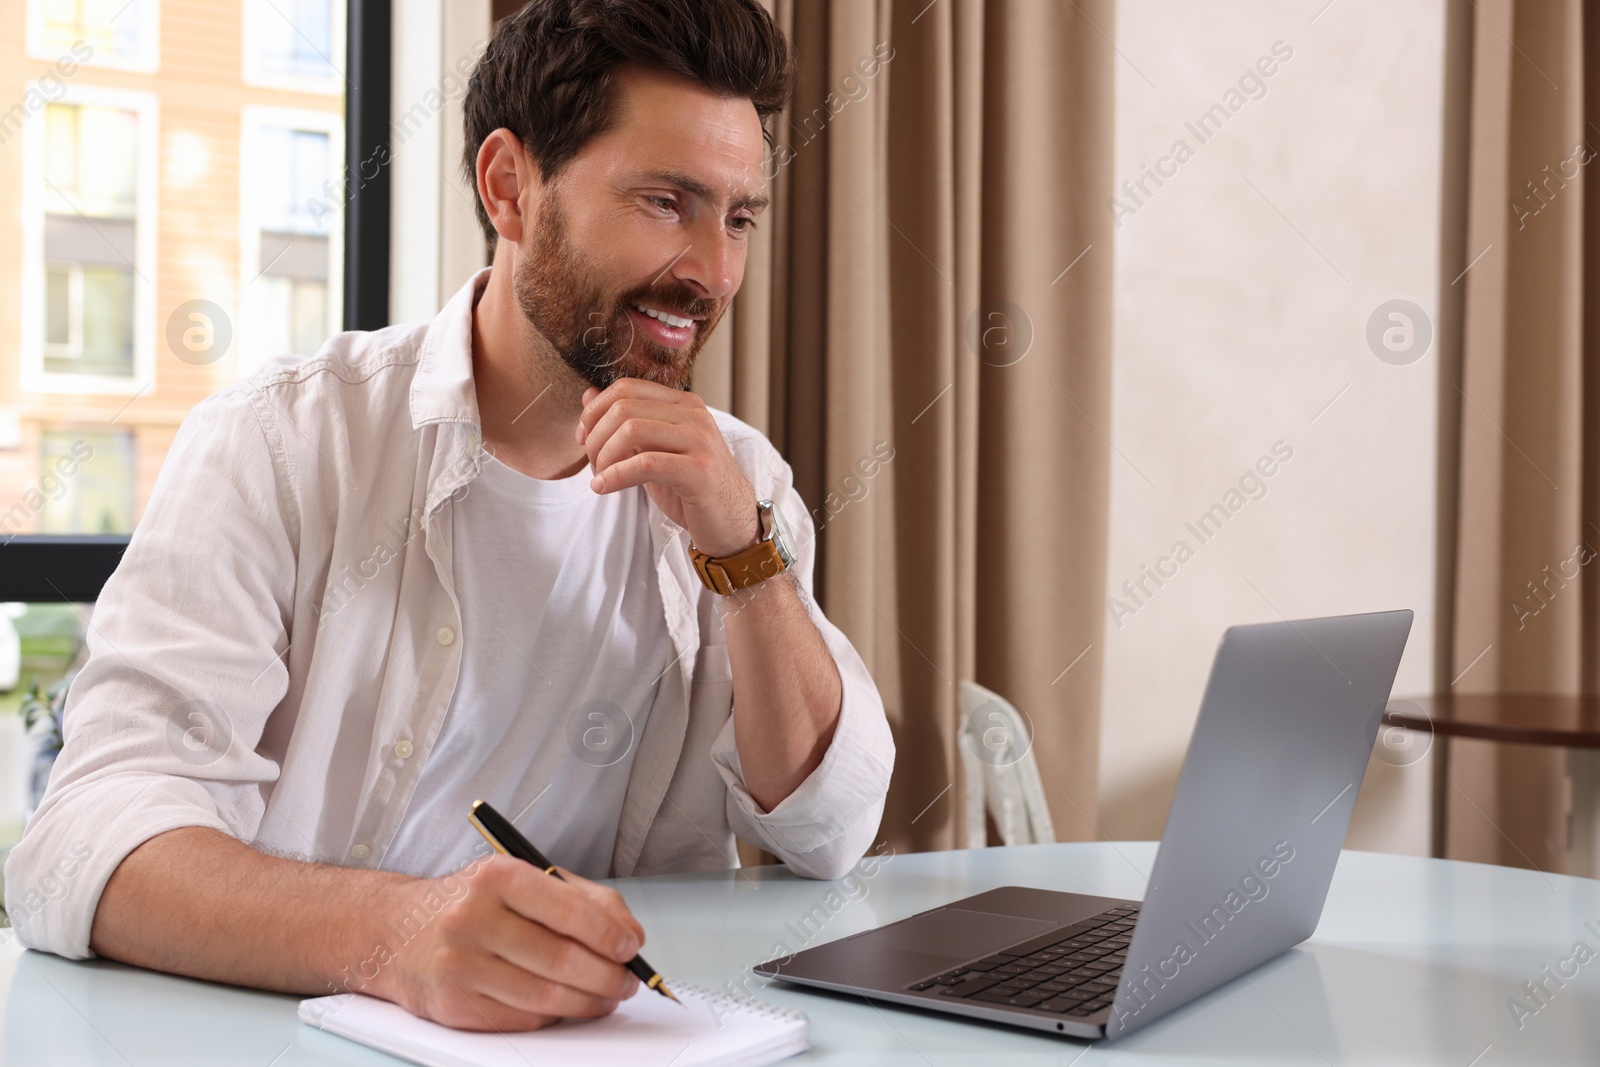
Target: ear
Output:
[{"x": 508, "y": 183}]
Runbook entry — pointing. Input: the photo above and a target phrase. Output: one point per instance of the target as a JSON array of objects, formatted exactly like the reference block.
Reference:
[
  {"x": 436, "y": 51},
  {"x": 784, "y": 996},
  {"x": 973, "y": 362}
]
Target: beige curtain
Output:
[
  {"x": 1521, "y": 394},
  {"x": 934, "y": 278}
]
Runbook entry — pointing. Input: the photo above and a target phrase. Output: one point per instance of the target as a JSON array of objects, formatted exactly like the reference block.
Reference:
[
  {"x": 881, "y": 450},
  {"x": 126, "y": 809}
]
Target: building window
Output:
[
  {"x": 291, "y": 213},
  {"x": 90, "y": 480},
  {"x": 298, "y": 163},
  {"x": 294, "y": 44},
  {"x": 88, "y": 194},
  {"x": 88, "y": 319},
  {"x": 293, "y": 313},
  {"x": 122, "y": 34}
]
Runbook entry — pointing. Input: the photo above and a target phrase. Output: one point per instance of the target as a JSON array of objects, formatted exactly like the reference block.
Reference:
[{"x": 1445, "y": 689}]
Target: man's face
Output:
[{"x": 638, "y": 245}]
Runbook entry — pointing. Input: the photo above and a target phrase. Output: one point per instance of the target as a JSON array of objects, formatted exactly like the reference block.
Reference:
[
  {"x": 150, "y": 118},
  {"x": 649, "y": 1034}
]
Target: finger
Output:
[
  {"x": 519, "y": 991},
  {"x": 625, "y": 410},
  {"x": 540, "y": 993},
  {"x": 605, "y": 897},
  {"x": 475, "y": 1011},
  {"x": 668, "y": 469},
  {"x": 646, "y": 435},
  {"x": 624, "y": 389},
  {"x": 538, "y": 950},
  {"x": 566, "y": 909}
]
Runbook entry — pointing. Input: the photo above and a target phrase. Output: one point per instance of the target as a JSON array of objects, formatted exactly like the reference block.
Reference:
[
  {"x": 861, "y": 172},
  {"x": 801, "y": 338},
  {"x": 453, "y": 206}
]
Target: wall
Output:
[
  {"x": 435, "y": 242},
  {"x": 1245, "y": 283}
]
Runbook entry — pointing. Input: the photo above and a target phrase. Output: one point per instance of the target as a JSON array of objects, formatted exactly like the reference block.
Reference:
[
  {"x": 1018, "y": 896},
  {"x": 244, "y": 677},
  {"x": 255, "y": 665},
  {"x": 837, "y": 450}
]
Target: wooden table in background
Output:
[{"x": 1571, "y": 722}]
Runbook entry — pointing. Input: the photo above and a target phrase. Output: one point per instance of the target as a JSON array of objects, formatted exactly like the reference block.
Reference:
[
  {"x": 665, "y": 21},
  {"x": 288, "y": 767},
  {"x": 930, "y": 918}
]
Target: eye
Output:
[
  {"x": 665, "y": 203},
  {"x": 742, "y": 223}
]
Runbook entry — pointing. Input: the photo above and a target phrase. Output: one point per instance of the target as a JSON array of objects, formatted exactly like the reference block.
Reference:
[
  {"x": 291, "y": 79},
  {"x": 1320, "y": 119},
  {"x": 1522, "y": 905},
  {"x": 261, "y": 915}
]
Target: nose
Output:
[{"x": 713, "y": 265}]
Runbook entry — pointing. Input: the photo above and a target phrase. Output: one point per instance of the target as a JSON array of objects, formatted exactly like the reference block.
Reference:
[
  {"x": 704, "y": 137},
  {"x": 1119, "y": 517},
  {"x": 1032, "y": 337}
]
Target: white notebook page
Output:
[{"x": 709, "y": 1029}]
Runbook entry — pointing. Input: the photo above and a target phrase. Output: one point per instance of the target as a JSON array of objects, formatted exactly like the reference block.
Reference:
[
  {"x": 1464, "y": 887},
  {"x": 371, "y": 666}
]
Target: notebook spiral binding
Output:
[{"x": 722, "y": 999}]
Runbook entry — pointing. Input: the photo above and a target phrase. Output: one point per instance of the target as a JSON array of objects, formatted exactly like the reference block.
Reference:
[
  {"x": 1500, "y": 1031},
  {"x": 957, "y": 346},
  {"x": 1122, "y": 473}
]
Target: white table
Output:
[{"x": 1415, "y": 962}]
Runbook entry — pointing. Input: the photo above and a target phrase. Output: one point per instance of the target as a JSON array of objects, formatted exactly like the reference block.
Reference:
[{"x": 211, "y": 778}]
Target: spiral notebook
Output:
[{"x": 709, "y": 1029}]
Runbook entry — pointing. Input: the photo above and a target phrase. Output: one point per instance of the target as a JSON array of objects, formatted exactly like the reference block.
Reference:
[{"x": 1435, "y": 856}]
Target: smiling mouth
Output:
[{"x": 676, "y": 321}]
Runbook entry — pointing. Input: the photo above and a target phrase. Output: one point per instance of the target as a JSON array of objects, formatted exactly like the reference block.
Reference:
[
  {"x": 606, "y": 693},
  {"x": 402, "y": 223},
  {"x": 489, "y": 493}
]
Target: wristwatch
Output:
[{"x": 770, "y": 555}]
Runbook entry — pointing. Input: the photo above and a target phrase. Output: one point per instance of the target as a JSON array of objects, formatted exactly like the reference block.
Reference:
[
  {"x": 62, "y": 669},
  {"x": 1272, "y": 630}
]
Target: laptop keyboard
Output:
[{"x": 1071, "y": 971}]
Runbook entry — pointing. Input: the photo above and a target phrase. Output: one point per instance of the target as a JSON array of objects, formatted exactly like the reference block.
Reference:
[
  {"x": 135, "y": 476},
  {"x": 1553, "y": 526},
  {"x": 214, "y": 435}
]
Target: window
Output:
[
  {"x": 88, "y": 319},
  {"x": 294, "y": 44},
  {"x": 89, "y": 253},
  {"x": 250, "y": 224},
  {"x": 92, "y": 383},
  {"x": 120, "y": 34},
  {"x": 91, "y": 156},
  {"x": 87, "y": 482},
  {"x": 89, "y": 239},
  {"x": 291, "y": 217}
]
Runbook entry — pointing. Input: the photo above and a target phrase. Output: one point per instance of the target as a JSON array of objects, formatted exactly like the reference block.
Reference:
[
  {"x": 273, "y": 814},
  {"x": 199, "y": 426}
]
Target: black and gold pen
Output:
[{"x": 505, "y": 838}]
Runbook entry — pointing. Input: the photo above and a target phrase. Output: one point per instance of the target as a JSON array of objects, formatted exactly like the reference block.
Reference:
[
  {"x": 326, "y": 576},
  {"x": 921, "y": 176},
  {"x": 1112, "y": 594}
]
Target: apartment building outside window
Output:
[{"x": 177, "y": 173}]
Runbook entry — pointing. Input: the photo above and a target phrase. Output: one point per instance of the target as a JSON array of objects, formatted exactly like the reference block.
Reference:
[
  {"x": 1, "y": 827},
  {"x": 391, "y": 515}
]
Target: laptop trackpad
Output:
[{"x": 957, "y": 933}]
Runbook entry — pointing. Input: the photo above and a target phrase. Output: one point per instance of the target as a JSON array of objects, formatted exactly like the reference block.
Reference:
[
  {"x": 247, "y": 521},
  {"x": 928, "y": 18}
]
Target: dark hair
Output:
[{"x": 547, "y": 73}]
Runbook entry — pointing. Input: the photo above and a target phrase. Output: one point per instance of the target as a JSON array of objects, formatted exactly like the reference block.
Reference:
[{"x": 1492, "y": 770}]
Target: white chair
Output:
[{"x": 1002, "y": 775}]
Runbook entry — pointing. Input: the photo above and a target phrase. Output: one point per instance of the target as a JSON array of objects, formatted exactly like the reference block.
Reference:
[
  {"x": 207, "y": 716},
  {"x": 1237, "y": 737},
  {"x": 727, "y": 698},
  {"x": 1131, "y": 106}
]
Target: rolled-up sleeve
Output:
[
  {"x": 824, "y": 827},
  {"x": 184, "y": 667}
]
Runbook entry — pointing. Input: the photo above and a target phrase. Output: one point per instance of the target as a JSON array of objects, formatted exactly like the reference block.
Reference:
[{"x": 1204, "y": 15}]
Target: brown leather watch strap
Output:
[{"x": 727, "y": 574}]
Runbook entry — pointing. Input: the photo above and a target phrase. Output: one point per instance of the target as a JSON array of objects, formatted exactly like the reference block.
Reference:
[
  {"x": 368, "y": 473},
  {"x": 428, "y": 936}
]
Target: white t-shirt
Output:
[{"x": 564, "y": 642}]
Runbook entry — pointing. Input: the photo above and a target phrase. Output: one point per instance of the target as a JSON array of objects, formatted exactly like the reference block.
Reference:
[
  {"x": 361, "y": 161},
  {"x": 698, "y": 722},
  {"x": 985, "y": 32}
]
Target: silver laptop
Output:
[{"x": 1286, "y": 727}]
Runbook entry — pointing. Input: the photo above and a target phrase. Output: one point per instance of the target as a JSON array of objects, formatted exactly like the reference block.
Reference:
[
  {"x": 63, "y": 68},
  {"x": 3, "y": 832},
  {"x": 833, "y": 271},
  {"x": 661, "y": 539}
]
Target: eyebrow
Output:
[{"x": 696, "y": 187}]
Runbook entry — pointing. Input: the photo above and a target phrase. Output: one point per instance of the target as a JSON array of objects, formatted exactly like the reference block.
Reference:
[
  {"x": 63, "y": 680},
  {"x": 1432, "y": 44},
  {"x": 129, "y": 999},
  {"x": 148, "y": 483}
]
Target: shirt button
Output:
[
  {"x": 402, "y": 749},
  {"x": 360, "y": 852},
  {"x": 446, "y": 635}
]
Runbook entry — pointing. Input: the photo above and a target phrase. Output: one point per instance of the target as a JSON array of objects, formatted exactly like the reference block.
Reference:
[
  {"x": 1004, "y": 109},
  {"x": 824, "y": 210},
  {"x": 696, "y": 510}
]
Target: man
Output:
[{"x": 504, "y": 555}]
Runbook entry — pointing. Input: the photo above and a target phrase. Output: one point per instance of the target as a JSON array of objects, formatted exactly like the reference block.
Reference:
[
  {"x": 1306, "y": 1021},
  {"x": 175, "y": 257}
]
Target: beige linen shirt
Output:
[{"x": 276, "y": 653}]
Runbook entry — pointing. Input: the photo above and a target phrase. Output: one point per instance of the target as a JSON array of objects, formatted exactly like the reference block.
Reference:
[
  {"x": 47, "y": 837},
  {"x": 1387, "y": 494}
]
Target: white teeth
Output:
[{"x": 671, "y": 320}]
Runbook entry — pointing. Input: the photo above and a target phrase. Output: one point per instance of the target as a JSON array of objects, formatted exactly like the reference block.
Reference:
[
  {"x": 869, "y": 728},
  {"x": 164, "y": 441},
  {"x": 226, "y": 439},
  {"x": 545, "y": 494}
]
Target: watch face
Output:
[{"x": 779, "y": 532}]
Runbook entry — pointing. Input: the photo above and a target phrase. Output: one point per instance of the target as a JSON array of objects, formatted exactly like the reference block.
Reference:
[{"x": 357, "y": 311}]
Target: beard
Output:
[{"x": 591, "y": 329}]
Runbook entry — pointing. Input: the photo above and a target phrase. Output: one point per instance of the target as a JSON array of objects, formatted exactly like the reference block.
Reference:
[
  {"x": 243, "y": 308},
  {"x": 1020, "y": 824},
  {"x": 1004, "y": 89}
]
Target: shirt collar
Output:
[{"x": 441, "y": 390}]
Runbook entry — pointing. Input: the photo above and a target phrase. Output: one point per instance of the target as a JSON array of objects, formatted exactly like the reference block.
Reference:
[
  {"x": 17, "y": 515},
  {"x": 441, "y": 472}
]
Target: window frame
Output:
[
  {"x": 51, "y": 568},
  {"x": 34, "y": 377},
  {"x": 73, "y": 347},
  {"x": 369, "y": 161}
]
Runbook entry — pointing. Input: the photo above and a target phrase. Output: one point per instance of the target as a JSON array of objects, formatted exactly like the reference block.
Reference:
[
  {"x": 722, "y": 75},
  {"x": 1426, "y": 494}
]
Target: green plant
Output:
[{"x": 48, "y": 706}]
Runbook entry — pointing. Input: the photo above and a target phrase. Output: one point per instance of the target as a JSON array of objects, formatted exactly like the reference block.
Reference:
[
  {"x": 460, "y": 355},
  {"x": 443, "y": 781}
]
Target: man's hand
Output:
[
  {"x": 639, "y": 432},
  {"x": 518, "y": 951}
]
